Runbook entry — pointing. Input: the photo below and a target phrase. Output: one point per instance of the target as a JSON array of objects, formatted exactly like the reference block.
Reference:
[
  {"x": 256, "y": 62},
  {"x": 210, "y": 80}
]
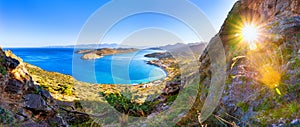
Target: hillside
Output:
[
  {"x": 184, "y": 50},
  {"x": 262, "y": 77}
]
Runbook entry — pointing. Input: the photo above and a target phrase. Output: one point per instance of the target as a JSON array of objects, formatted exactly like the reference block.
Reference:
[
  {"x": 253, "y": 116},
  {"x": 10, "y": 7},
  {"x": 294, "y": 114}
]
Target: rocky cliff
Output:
[
  {"x": 22, "y": 102},
  {"x": 263, "y": 78}
]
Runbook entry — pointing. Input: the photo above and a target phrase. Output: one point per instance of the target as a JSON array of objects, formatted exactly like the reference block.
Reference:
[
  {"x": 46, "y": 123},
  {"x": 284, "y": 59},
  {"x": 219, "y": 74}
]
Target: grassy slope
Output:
[
  {"x": 66, "y": 88},
  {"x": 95, "y": 98}
]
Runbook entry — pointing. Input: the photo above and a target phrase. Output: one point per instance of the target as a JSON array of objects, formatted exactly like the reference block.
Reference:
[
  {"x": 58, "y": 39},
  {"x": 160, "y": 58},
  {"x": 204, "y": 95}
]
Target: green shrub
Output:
[
  {"x": 296, "y": 64},
  {"x": 3, "y": 70},
  {"x": 287, "y": 53},
  {"x": 293, "y": 107},
  {"x": 123, "y": 103},
  {"x": 298, "y": 36},
  {"x": 6, "y": 117},
  {"x": 244, "y": 106},
  {"x": 67, "y": 90},
  {"x": 171, "y": 98}
]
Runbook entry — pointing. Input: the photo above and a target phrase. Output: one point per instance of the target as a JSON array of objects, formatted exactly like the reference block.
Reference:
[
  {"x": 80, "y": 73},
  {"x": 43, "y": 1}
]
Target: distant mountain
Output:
[
  {"x": 182, "y": 49},
  {"x": 115, "y": 45},
  {"x": 88, "y": 46},
  {"x": 93, "y": 46}
]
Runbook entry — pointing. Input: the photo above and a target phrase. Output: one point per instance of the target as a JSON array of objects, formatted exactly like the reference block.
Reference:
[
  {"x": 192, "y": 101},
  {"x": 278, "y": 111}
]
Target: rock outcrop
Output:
[
  {"x": 23, "y": 103},
  {"x": 262, "y": 86}
]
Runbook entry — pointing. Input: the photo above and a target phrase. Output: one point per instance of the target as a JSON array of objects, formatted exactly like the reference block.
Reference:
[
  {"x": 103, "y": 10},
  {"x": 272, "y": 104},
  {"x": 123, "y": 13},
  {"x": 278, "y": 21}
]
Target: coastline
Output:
[
  {"x": 53, "y": 84},
  {"x": 71, "y": 97},
  {"x": 69, "y": 92},
  {"x": 164, "y": 67},
  {"x": 164, "y": 61},
  {"x": 62, "y": 61}
]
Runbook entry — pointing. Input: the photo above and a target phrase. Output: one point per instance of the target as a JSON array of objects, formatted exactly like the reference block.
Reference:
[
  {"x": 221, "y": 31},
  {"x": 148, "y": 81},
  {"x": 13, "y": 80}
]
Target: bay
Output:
[{"x": 129, "y": 68}]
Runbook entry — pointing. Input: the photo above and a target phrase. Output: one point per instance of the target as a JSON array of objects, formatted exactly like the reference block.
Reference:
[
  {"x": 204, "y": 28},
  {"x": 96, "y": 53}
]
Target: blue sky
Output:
[{"x": 33, "y": 23}]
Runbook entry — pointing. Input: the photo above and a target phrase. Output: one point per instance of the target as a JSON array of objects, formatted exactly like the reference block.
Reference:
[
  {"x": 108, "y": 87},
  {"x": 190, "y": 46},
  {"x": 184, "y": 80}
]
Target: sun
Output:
[{"x": 250, "y": 33}]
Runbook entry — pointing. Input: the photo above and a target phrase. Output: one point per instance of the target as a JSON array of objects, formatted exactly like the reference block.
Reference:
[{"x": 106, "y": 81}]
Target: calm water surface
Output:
[{"x": 130, "y": 68}]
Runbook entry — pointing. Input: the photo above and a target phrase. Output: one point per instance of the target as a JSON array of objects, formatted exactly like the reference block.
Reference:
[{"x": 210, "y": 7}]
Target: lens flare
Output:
[
  {"x": 250, "y": 33},
  {"x": 270, "y": 76},
  {"x": 252, "y": 45}
]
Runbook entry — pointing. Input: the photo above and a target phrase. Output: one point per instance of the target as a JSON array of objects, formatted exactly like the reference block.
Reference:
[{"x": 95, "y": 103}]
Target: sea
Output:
[{"x": 129, "y": 68}]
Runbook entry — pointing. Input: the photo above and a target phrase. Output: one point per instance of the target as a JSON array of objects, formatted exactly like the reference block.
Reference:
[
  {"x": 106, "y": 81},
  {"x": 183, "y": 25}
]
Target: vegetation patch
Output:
[
  {"x": 6, "y": 117},
  {"x": 296, "y": 63},
  {"x": 171, "y": 99},
  {"x": 126, "y": 105},
  {"x": 288, "y": 111},
  {"x": 59, "y": 85},
  {"x": 298, "y": 36},
  {"x": 243, "y": 106},
  {"x": 287, "y": 53},
  {"x": 265, "y": 105},
  {"x": 3, "y": 70}
]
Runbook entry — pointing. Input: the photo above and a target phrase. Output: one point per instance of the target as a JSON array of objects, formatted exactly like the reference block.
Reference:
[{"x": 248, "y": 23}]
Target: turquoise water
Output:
[{"x": 130, "y": 68}]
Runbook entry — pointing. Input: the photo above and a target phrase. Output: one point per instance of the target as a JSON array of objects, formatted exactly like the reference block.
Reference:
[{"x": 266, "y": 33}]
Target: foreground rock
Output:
[
  {"x": 23, "y": 103},
  {"x": 99, "y": 53}
]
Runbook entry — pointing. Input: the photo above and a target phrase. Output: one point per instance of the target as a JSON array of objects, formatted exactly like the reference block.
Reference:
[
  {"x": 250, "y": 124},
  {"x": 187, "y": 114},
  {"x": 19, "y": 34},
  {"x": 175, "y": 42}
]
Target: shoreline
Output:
[
  {"x": 162, "y": 61},
  {"x": 158, "y": 81},
  {"x": 157, "y": 63}
]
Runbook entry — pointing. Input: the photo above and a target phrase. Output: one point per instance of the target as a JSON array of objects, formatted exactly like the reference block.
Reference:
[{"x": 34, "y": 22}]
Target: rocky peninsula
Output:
[
  {"x": 91, "y": 54},
  {"x": 159, "y": 55}
]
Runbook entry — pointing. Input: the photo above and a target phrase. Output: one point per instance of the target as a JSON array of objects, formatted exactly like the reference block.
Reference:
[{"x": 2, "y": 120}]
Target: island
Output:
[
  {"x": 159, "y": 55},
  {"x": 92, "y": 54}
]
